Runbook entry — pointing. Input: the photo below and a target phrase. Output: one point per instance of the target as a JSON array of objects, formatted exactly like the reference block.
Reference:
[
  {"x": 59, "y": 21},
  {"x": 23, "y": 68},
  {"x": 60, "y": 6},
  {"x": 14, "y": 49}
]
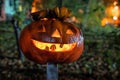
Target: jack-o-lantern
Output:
[{"x": 51, "y": 40}]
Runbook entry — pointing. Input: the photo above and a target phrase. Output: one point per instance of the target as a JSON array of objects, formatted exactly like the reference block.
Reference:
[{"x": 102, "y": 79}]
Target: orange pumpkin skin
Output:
[{"x": 42, "y": 31}]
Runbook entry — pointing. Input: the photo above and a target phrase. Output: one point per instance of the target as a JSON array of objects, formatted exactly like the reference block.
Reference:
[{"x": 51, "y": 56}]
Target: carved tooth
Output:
[
  {"x": 61, "y": 45},
  {"x": 47, "y": 48},
  {"x": 53, "y": 47}
]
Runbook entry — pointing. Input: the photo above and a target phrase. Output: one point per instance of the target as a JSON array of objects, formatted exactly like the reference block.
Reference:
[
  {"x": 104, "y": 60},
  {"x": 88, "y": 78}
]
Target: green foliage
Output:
[{"x": 7, "y": 39}]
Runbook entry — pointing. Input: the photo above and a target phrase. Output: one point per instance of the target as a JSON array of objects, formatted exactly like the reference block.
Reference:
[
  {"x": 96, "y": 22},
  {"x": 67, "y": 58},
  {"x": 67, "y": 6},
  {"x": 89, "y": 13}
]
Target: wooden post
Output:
[{"x": 52, "y": 71}]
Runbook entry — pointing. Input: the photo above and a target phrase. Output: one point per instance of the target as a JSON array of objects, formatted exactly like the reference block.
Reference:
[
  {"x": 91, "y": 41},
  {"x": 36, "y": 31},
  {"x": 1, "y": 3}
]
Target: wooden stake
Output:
[{"x": 52, "y": 71}]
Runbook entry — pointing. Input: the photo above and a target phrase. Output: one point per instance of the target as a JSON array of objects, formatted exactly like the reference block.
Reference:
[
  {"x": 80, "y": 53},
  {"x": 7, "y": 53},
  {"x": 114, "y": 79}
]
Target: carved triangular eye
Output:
[
  {"x": 43, "y": 29},
  {"x": 69, "y": 32},
  {"x": 56, "y": 33}
]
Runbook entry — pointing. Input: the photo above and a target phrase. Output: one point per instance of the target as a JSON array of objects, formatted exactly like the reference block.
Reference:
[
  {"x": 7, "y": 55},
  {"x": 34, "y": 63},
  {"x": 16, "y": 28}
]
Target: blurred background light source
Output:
[{"x": 112, "y": 13}]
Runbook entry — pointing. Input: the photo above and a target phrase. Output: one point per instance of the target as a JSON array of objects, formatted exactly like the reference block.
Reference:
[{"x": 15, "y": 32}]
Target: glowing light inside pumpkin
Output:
[
  {"x": 54, "y": 47},
  {"x": 56, "y": 33}
]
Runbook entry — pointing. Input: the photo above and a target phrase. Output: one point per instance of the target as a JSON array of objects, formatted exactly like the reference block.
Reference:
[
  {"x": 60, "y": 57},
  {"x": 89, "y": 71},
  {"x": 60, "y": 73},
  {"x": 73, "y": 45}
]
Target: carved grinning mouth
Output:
[{"x": 53, "y": 47}]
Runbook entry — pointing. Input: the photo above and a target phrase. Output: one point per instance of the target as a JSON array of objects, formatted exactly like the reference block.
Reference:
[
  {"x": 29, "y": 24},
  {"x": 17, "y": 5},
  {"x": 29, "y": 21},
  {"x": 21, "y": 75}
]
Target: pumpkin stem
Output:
[{"x": 60, "y": 13}]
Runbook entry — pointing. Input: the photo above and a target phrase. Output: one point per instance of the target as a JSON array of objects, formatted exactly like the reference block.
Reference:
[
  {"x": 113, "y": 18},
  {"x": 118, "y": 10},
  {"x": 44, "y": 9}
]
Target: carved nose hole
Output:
[{"x": 56, "y": 34}]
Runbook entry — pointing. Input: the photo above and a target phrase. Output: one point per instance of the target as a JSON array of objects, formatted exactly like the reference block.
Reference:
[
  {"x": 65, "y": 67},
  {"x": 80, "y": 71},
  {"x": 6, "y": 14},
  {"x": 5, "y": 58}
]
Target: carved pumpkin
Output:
[{"x": 51, "y": 40}]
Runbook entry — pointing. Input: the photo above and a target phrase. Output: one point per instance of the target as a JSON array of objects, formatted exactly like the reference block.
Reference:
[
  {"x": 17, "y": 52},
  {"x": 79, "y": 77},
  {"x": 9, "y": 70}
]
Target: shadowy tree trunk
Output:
[{"x": 2, "y": 11}]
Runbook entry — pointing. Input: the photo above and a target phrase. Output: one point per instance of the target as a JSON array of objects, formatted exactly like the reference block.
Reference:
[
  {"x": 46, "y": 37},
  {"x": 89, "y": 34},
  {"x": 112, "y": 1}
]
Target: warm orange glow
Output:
[
  {"x": 56, "y": 33},
  {"x": 113, "y": 10},
  {"x": 45, "y": 19},
  {"x": 35, "y": 5},
  {"x": 106, "y": 21},
  {"x": 34, "y": 10},
  {"x": 112, "y": 15},
  {"x": 117, "y": 22},
  {"x": 69, "y": 32},
  {"x": 115, "y": 3},
  {"x": 54, "y": 47},
  {"x": 115, "y": 17}
]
